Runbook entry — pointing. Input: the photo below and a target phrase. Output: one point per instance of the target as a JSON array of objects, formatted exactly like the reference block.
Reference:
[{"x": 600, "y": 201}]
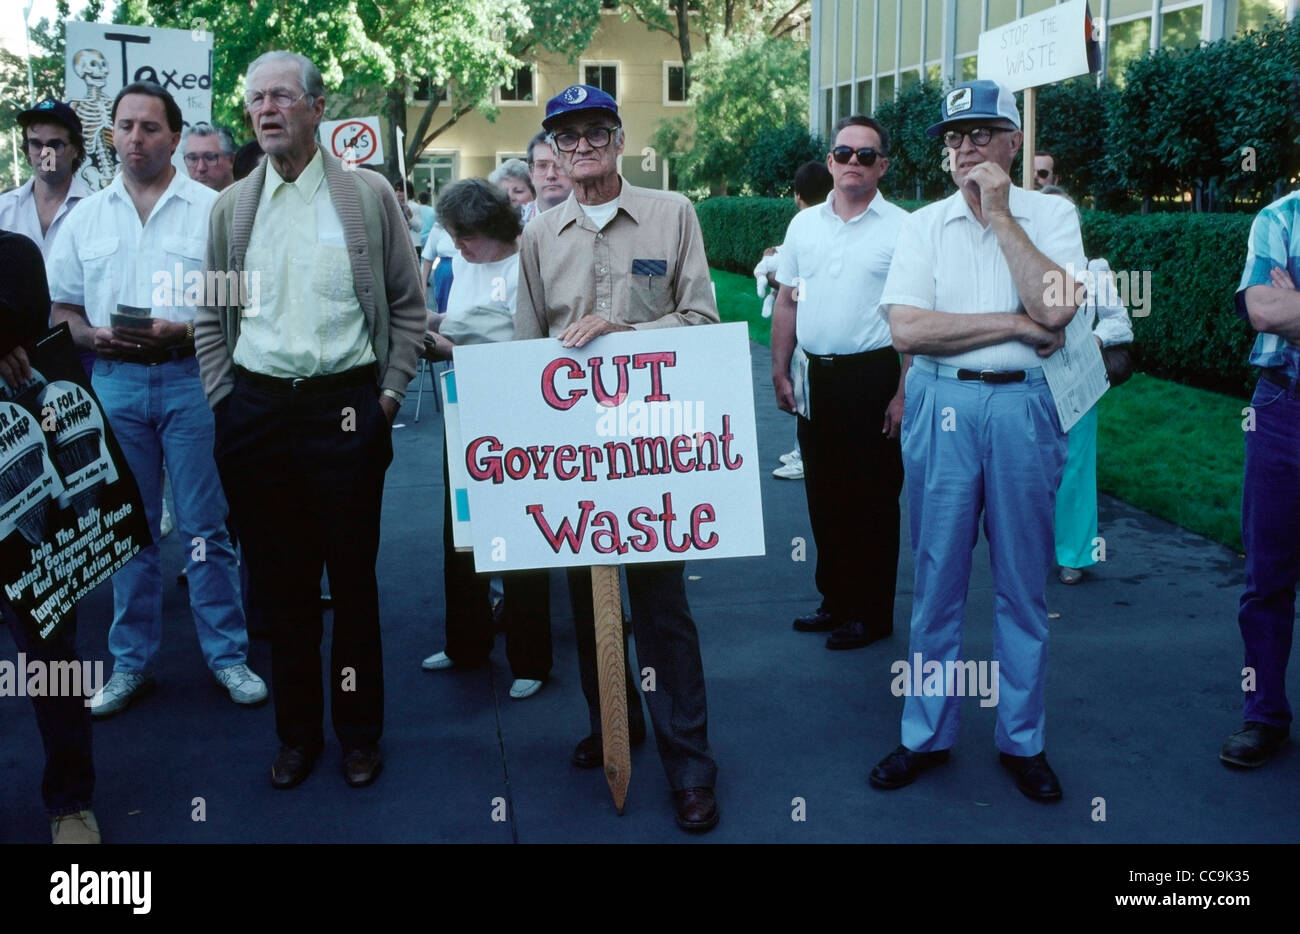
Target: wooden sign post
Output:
[{"x": 607, "y": 601}]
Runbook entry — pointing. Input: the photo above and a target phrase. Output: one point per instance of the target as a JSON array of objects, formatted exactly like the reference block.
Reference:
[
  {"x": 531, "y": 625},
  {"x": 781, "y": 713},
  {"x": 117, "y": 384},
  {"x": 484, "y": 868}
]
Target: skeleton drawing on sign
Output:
[{"x": 95, "y": 112}]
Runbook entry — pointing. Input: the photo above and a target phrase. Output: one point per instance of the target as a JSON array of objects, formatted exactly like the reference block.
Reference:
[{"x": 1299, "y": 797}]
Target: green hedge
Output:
[{"x": 1191, "y": 333}]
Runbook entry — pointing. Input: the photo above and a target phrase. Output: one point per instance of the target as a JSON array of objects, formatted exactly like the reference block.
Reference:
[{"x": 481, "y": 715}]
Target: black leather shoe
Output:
[
  {"x": 590, "y": 752},
  {"x": 817, "y": 621},
  {"x": 855, "y": 634},
  {"x": 362, "y": 765},
  {"x": 1034, "y": 777},
  {"x": 902, "y": 766},
  {"x": 697, "y": 809},
  {"x": 292, "y": 765},
  {"x": 1253, "y": 745}
]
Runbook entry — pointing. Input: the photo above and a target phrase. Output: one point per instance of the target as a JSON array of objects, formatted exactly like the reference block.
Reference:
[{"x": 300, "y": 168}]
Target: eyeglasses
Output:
[
  {"x": 283, "y": 98},
  {"x": 39, "y": 144},
  {"x": 1042, "y": 173},
  {"x": 980, "y": 136},
  {"x": 192, "y": 158},
  {"x": 597, "y": 138},
  {"x": 866, "y": 155}
]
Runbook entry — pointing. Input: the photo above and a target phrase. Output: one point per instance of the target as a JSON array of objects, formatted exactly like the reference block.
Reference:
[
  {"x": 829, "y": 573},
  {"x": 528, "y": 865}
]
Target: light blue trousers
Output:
[
  {"x": 160, "y": 412},
  {"x": 972, "y": 449}
]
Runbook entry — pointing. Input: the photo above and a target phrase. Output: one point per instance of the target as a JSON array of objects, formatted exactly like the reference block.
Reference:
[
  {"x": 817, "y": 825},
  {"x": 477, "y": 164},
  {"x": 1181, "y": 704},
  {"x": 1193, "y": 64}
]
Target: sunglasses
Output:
[
  {"x": 1042, "y": 173},
  {"x": 866, "y": 155}
]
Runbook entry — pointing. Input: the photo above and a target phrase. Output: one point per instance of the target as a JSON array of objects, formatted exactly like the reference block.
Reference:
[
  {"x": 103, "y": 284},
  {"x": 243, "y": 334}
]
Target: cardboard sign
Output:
[
  {"x": 638, "y": 447},
  {"x": 1041, "y": 48},
  {"x": 102, "y": 58},
  {"x": 70, "y": 512},
  {"x": 357, "y": 140}
]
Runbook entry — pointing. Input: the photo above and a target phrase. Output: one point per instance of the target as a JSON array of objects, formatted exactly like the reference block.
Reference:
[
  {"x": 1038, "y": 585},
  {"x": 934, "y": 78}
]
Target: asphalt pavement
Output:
[{"x": 1143, "y": 686}]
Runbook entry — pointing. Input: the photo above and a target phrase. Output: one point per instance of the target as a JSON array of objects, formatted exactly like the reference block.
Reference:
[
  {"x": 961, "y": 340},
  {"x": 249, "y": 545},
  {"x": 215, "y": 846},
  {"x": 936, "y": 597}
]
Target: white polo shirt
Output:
[
  {"x": 837, "y": 270},
  {"x": 105, "y": 256},
  {"x": 947, "y": 261},
  {"x": 18, "y": 212}
]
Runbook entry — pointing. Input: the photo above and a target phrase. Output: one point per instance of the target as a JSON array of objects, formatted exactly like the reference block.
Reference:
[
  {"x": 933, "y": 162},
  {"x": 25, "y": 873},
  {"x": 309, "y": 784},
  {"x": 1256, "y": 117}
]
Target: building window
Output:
[
  {"x": 969, "y": 68},
  {"x": 884, "y": 89},
  {"x": 609, "y": 6},
  {"x": 1126, "y": 42},
  {"x": 674, "y": 83},
  {"x": 603, "y": 75},
  {"x": 422, "y": 89},
  {"x": 519, "y": 88},
  {"x": 1181, "y": 29},
  {"x": 845, "y": 105}
]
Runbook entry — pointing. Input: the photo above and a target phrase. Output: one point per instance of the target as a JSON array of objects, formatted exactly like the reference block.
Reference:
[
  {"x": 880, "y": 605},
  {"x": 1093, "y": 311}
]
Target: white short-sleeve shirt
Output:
[
  {"x": 947, "y": 261},
  {"x": 18, "y": 212},
  {"x": 104, "y": 255},
  {"x": 837, "y": 270}
]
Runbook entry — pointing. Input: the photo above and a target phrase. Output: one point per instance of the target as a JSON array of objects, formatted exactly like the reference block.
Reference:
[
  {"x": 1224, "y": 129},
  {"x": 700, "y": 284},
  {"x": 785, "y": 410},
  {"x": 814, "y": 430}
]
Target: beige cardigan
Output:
[{"x": 384, "y": 271}]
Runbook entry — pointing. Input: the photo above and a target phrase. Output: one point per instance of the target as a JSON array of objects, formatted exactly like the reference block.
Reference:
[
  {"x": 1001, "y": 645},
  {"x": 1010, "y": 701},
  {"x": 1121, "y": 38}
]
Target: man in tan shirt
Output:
[{"x": 615, "y": 257}]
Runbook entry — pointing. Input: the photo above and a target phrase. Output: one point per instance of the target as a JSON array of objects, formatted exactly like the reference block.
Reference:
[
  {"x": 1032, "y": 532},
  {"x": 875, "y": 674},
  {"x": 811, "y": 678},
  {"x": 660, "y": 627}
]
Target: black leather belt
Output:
[
  {"x": 849, "y": 359},
  {"x": 359, "y": 376},
  {"x": 993, "y": 376},
  {"x": 166, "y": 355},
  {"x": 1278, "y": 378}
]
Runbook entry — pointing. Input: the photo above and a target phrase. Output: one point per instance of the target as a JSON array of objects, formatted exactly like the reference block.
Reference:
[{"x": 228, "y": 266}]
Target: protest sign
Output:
[
  {"x": 70, "y": 512},
  {"x": 356, "y": 140},
  {"x": 102, "y": 58},
  {"x": 638, "y": 447}
]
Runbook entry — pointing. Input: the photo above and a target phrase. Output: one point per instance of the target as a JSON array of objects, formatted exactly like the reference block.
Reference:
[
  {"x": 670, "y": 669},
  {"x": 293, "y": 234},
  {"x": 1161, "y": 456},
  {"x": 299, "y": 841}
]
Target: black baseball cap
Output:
[{"x": 51, "y": 111}]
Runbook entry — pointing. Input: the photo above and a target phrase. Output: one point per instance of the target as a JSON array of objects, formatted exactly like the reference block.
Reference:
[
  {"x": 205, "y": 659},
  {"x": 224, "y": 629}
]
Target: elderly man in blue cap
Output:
[
  {"x": 615, "y": 257},
  {"x": 967, "y": 294}
]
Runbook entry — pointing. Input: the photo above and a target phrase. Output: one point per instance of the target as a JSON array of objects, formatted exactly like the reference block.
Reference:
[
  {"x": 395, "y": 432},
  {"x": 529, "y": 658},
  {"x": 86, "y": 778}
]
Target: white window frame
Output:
[
  {"x": 506, "y": 156},
  {"x": 618, "y": 74},
  {"x": 501, "y": 102},
  {"x": 667, "y": 102}
]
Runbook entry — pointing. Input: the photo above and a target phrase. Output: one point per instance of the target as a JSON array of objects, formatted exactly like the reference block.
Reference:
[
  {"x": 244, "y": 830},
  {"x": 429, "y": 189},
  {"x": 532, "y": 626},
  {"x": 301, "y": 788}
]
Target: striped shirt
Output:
[{"x": 1272, "y": 244}]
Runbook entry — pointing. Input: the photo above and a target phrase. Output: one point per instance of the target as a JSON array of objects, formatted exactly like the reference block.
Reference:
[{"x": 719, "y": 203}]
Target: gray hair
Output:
[
  {"x": 207, "y": 129},
  {"x": 309, "y": 74},
  {"x": 512, "y": 168}
]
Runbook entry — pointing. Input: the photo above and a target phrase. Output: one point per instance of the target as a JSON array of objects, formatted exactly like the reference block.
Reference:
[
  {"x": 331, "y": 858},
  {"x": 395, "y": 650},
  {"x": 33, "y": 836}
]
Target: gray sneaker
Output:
[
  {"x": 244, "y": 686},
  {"x": 115, "y": 696},
  {"x": 75, "y": 828}
]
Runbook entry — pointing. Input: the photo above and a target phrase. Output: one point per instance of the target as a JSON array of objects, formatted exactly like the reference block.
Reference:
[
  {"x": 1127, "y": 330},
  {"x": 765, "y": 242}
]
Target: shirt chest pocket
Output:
[
  {"x": 183, "y": 268},
  {"x": 97, "y": 273},
  {"x": 650, "y": 293},
  {"x": 331, "y": 273}
]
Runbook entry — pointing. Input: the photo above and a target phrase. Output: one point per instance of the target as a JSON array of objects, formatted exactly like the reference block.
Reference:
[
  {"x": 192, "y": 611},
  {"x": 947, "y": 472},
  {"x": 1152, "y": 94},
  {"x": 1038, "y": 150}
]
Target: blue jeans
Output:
[
  {"x": 972, "y": 448},
  {"x": 161, "y": 412},
  {"x": 1270, "y": 529}
]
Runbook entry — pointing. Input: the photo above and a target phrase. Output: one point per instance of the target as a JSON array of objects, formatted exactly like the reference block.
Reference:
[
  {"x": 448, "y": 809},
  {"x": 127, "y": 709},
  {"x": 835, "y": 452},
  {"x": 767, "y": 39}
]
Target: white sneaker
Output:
[
  {"x": 524, "y": 687},
  {"x": 80, "y": 827},
  {"x": 792, "y": 471},
  {"x": 436, "y": 662},
  {"x": 244, "y": 686},
  {"x": 122, "y": 688},
  {"x": 794, "y": 457}
]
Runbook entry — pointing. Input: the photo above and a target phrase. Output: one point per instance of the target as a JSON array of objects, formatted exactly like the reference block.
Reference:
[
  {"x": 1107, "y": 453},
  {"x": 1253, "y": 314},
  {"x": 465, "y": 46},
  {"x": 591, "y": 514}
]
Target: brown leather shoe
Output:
[
  {"x": 362, "y": 765},
  {"x": 291, "y": 766},
  {"x": 590, "y": 751},
  {"x": 697, "y": 809}
]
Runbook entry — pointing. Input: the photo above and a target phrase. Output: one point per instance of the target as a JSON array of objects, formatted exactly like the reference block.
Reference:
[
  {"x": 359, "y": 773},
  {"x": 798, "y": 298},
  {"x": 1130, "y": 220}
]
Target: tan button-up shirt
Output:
[{"x": 645, "y": 269}]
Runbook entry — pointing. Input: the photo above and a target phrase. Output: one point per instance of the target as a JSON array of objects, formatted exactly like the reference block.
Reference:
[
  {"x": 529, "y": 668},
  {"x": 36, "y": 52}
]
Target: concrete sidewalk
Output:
[{"x": 1143, "y": 687}]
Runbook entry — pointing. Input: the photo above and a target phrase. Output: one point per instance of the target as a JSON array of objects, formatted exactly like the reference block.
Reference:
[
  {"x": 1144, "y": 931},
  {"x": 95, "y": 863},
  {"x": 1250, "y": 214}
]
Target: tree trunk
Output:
[
  {"x": 684, "y": 42},
  {"x": 395, "y": 104}
]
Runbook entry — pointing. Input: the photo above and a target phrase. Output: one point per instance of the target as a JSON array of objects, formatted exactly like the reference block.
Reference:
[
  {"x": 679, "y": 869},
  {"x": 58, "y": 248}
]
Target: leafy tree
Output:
[
  {"x": 1072, "y": 127},
  {"x": 372, "y": 53},
  {"x": 776, "y": 154},
  {"x": 743, "y": 87},
  {"x": 916, "y": 167}
]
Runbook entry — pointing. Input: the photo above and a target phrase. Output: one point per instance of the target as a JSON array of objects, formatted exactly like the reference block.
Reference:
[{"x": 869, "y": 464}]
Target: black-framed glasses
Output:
[
  {"x": 193, "y": 158},
  {"x": 866, "y": 155},
  {"x": 283, "y": 98},
  {"x": 597, "y": 137},
  {"x": 980, "y": 136},
  {"x": 39, "y": 144}
]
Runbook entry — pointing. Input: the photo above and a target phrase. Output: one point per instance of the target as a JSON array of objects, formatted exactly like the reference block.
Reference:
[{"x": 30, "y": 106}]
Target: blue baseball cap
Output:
[
  {"x": 51, "y": 111},
  {"x": 578, "y": 98},
  {"x": 976, "y": 100}
]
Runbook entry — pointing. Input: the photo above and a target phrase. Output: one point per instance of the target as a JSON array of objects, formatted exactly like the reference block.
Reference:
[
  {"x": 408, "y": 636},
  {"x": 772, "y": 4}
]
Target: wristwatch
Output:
[
  {"x": 189, "y": 331},
  {"x": 392, "y": 394}
]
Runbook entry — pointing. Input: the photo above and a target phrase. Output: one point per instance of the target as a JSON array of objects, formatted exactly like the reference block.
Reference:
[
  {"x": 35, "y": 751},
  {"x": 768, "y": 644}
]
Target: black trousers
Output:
[
  {"x": 468, "y": 620},
  {"x": 667, "y": 642},
  {"x": 68, "y": 784},
  {"x": 304, "y": 475},
  {"x": 853, "y": 476}
]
